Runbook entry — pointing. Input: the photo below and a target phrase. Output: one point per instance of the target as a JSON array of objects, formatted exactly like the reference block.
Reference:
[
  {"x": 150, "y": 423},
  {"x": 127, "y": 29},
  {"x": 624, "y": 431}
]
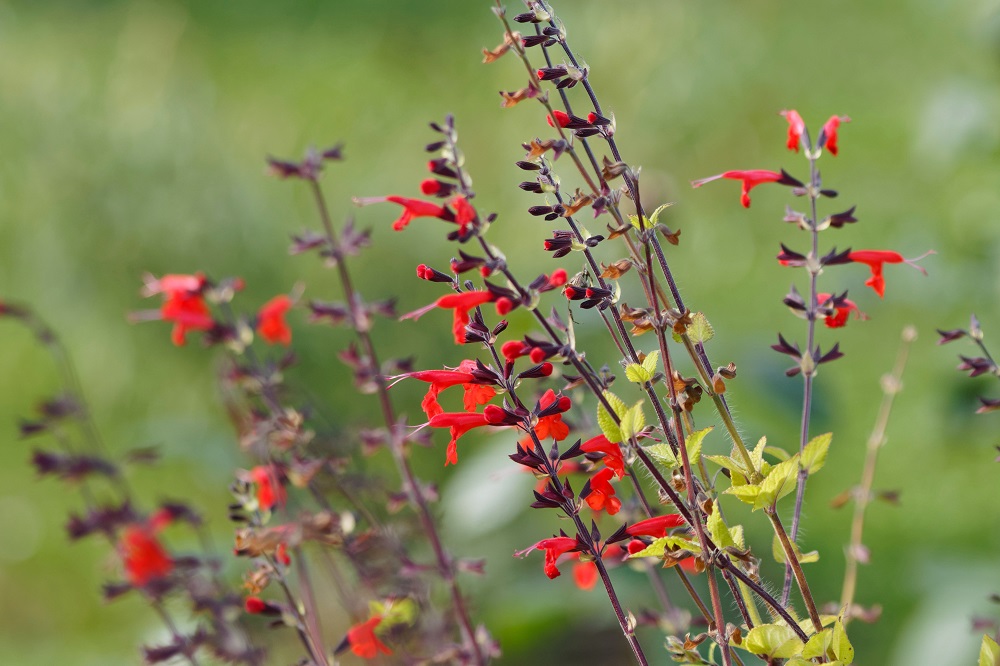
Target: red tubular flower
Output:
[
  {"x": 169, "y": 284},
  {"x": 430, "y": 186},
  {"x": 796, "y": 126},
  {"x": 188, "y": 311},
  {"x": 554, "y": 547},
  {"x": 281, "y": 554},
  {"x": 143, "y": 555},
  {"x": 270, "y": 492},
  {"x": 461, "y": 303},
  {"x": 412, "y": 209},
  {"x": 254, "y": 605},
  {"x": 557, "y": 279},
  {"x": 839, "y": 318},
  {"x": 602, "y": 493},
  {"x": 875, "y": 259},
  {"x": 459, "y": 423},
  {"x": 364, "y": 642},
  {"x": 551, "y": 425},
  {"x": 271, "y": 322},
  {"x": 655, "y": 527},
  {"x": 828, "y": 135},
  {"x": 464, "y": 213},
  {"x": 751, "y": 179},
  {"x": 612, "y": 459},
  {"x": 561, "y": 117},
  {"x": 475, "y": 394},
  {"x": 585, "y": 575},
  {"x": 514, "y": 349}
]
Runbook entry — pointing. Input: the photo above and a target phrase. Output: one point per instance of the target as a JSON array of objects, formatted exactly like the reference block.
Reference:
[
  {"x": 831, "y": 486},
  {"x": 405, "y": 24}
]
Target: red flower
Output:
[
  {"x": 188, "y": 312},
  {"x": 602, "y": 493},
  {"x": 270, "y": 492},
  {"x": 254, "y": 605},
  {"x": 461, "y": 303},
  {"x": 550, "y": 425},
  {"x": 281, "y": 554},
  {"x": 169, "y": 284},
  {"x": 459, "y": 423},
  {"x": 364, "y": 642},
  {"x": 875, "y": 259},
  {"x": 553, "y": 547},
  {"x": 796, "y": 126},
  {"x": 655, "y": 527},
  {"x": 475, "y": 394},
  {"x": 839, "y": 318},
  {"x": 612, "y": 453},
  {"x": 143, "y": 555},
  {"x": 585, "y": 574},
  {"x": 514, "y": 349},
  {"x": 430, "y": 186},
  {"x": 464, "y": 213},
  {"x": 271, "y": 322},
  {"x": 828, "y": 135},
  {"x": 412, "y": 209},
  {"x": 751, "y": 179},
  {"x": 561, "y": 117}
]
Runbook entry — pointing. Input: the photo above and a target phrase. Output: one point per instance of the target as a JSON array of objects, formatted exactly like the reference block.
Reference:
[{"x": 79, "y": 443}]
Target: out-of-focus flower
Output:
[
  {"x": 796, "y": 126},
  {"x": 363, "y": 641},
  {"x": 271, "y": 322},
  {"x": 828, "y": 135}
]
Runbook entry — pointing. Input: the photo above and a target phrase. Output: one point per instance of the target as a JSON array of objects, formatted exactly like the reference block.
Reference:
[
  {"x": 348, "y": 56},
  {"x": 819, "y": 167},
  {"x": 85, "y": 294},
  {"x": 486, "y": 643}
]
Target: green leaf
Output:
[
  {"x": 746, "y": 493},
  {"x": 632, "y": 422},
  {"x": 777, "y": 452},
  {"x": 693, "y": 442},
  {"x": 650, "y": 363},
  {"x": 662, "y": 454},
  {"x": 663, "y": 544},
  {"x": 637, "y": 374},
  {"x": 780, "y": 481},
  {"x": 775, "y": 641},
  {"x": 817, "y": 644},
  {"x": 700, "y": 330},
  {"x": 814, "y": 453},
  {"x": 604, "y": 420},
  {"x": 779, "y": 552},
  {"x": 839, "y": 643},
  {"x": 989, "y": 652},
  {"x": 718, "y": 531},
  {"x": 654, "y": 218}
]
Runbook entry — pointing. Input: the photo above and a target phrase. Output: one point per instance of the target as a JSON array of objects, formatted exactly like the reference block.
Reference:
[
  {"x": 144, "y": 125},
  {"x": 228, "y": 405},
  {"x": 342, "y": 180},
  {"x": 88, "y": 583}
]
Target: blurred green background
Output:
[{"x": 132, "y": 138}]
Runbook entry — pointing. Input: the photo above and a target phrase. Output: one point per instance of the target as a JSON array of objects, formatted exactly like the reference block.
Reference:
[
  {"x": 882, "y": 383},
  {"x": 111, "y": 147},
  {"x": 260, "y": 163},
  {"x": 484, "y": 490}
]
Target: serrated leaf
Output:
[
  {"x": 604, "y": 420},
  {"x": 840, "y": 644},
  {"x": 814, "y": 453},
  {"x": 747, "y": 493},
  {"x": 989, "y": 652},
  {"x": 650, "y": 363},
  {"x": 780, "y": 481},
  {"x": 779, "y": 553},
  {"x": 662, "y": 454},
  {"x": 663, "y": 544},
  {"x": 775, "y": 641},
  {"x": 637, "y": 374},
  {"x": 654, "y": 218},
  {"x": 817, "y": 644},
  {"x": 718, "y": 531},
  {"x": 757, "y": 455},
  {"x": 700, "y": 330},
  {"x": 694, "y": 441},
  {"x": 633, "y": 421}
]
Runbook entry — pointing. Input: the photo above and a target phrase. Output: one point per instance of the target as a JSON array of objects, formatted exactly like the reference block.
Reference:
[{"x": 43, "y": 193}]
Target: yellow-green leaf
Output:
[
  {"x": 694, "y": 441},
  {"x": 780, "y": 481},
  {"x": 777, "y": 452},
  {"x": 606, "y": 422},
  {"x": 650, "y": 362},
  {"x": 839, "y": 643},
  {"x": 814, "y": 453},
  {"x": 637, "y": 374},
  {"x": 632, "y": 422},
  {"x": 774, "y": 641},
  {"x": 817, "y": 644},
  {"x": 746, "y": 493},
  {"x": 700, "y": 330},
  {"x": 662, "y": 454},
  {"x": 718, "y": 531},
  {"x": 989, "y": 652}
]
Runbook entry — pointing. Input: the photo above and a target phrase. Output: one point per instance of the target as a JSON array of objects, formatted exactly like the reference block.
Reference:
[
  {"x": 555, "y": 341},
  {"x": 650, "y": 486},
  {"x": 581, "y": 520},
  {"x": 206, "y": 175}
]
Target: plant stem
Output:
[
  {"x": 796, "y": 567},
  {"x": 891, "y": 385}
]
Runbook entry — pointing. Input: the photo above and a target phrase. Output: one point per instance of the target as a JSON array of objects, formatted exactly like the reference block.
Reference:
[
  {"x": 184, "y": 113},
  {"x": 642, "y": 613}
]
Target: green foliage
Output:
[
  {"x": 607, "y": 424},
  {"x": 774, "y": 641},
  {"x": 989, "y": 652}
]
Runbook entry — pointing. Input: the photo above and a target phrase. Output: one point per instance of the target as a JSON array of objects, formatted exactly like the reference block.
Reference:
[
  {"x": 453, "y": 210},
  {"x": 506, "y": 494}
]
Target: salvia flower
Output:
[
  {"x": 363, "y": 641},
  {"x": 561, "y": 118},
  {"x": 612, "y": 453},
  {"x": 143, "y": 556},
  {"x": 475, "y": 393},
  {"x": 412, "y": 209},
  {"x": 876, "y": 259},
  {"x": 655, "y": 527},
  {"x": 458, "y": 423},
  {"x": 828, "y": 135},
  {"x": 188, "y": 312},
  {"x": 550, "y": 423},
  {"x": 842, "y": 307},
  {"x": 271, "y": 324},
  {"x": 601, "y": 495},
  {"x": 554, "y": 547},
  {"x": 751, "y": 179},
  {"x": 461, "y": 303},
  {"x": 796, "y": 127},
  {"x": 270, "y": 491}
]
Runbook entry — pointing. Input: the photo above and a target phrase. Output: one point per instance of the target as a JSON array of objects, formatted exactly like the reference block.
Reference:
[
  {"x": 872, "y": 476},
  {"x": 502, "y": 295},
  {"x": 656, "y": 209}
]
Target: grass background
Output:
[{"x": 133, "y": 137}]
